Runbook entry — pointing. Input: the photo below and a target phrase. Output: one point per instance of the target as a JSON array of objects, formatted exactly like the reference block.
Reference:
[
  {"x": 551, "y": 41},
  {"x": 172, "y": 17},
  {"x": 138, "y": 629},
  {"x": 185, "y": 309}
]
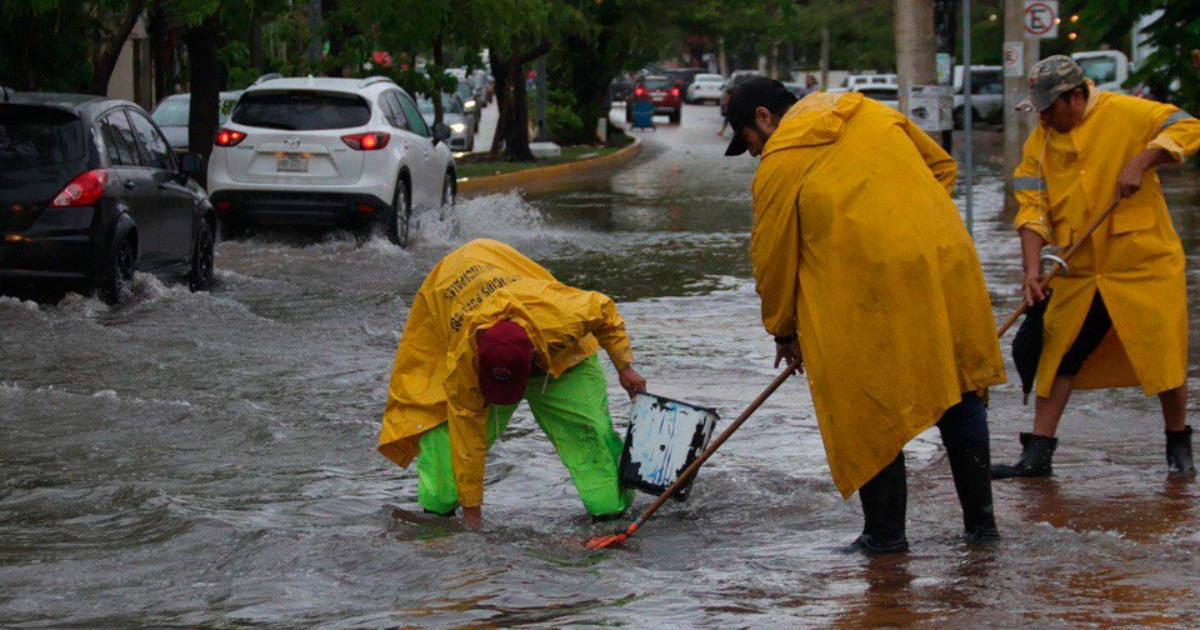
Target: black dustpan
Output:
[{"x": 1027, "y": 345}]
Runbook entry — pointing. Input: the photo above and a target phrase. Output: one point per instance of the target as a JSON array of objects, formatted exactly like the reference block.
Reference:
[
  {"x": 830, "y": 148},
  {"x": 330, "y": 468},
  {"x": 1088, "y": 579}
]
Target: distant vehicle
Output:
[
  {"x": 797, "y": 89},
  {"x": 667, "y": 98},
  {"x": 705, "y": 88},
  {"x": 461, "y": 138},
  {"x": 471, "y": 108},
  {"x": 328, "y": 152},
  {"x": 1108, "y": 69},
  {"x": 172, "y": 113},
  {"x": 683, "y": 77},
  {"x": 987, "y": 94},
  {"x": 620, "y": 89},
  {"x": 90, "y": 192},
  {"x": 735, "y": 79},
  {"x": 888, "y": 94},
  {"x": 856, "y": 80}
]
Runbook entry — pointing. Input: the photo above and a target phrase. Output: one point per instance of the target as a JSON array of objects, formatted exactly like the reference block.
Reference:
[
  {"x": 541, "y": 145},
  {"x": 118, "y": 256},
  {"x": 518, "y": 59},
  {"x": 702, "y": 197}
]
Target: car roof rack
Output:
[
  {"x": 375, "y": 79},
  {"x": 268, "y": 77}
]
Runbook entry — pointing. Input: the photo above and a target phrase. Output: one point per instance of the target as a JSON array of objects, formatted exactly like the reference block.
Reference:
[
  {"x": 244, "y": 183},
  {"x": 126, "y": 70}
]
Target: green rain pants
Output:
[{"x": 573, "y": 412}]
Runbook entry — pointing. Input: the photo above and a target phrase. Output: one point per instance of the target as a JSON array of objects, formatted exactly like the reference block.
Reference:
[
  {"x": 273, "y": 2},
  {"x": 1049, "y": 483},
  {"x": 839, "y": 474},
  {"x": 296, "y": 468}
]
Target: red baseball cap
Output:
[{"x": 505, "y": 359}]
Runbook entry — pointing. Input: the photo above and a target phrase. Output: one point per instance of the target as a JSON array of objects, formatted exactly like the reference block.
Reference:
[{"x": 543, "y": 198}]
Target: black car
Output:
[{"x": 90, "y": 192}]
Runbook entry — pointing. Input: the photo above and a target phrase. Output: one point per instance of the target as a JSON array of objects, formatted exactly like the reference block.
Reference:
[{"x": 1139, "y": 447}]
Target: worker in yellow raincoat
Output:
[
  {"x": 868, "y": 276},
  {"x": 488, "y": 328},
  {"x": 1119, "y": 318}
]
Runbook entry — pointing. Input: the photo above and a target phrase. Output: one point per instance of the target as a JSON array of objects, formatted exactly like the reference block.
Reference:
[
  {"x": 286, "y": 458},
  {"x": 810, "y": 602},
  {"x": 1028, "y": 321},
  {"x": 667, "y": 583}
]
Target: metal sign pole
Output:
[{"x": 967, "y": 117}]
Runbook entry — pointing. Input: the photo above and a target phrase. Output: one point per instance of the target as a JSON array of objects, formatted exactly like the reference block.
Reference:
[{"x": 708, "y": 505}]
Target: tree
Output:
[{"x": 112, "y": 26}]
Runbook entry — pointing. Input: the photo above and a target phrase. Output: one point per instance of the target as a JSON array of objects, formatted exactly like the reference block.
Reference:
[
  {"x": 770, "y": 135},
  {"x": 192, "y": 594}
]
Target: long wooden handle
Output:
[
  {"x": 712, "y": 448},
  {"x": 1056, "y": 268}
]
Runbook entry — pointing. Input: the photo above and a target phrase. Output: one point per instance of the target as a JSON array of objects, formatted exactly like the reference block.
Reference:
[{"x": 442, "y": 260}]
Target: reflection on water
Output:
[{"x": 207, "y": 460}]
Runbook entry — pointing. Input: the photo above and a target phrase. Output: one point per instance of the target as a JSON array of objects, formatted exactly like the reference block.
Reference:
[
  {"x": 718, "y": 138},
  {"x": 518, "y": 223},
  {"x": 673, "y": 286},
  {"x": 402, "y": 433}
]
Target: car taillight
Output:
[
  {"x": 229, "y": 137},
  {"x": 674, "y": 91},
  {"x": 639, "y": 92},
  {"x": 84, "y": 190},
  {"x": 367, "y": 141}
]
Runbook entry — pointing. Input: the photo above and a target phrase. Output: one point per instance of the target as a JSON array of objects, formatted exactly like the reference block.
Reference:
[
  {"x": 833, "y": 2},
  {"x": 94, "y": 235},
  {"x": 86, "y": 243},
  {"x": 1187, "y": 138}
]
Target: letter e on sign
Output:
[{"x": 1041, "y": 19}]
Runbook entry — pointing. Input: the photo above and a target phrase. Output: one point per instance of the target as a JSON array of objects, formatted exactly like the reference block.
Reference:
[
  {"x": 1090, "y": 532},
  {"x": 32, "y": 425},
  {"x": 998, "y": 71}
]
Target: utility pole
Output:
[
  {"x": 1017, "y": 125},
  {"x": 916, "y": 52},
  {"x": 824, "y": 53}
]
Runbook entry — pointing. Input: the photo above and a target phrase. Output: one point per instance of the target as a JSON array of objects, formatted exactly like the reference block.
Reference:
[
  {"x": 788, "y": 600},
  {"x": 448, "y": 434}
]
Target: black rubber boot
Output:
[
  {"x": 1179, "y": 452},
  {"x": 884, "y": 501},
  {"x": 972, "y": 470},
  {"x": 1035, "y": 459}
]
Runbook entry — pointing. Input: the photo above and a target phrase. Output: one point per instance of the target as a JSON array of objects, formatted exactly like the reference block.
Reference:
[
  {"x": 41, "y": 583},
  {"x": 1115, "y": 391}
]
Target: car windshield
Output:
[
  {"x": 301, "y": 111},
  {"x": 879, "y": 94},
  {"x": 709, "y": 78},
  {"x": 449, "y": 105},
  {"x": 172, "y": 112},
  {"x": 464, "y": 90},
  {"x": 656, "y": 83},
  {"x": 1099, "y": 69},
  {"x": 33, "y": 136}
]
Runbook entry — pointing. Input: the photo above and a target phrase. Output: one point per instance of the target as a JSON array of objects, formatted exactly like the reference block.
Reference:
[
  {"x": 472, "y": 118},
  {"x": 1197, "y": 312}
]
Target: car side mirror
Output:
[
  {"x": 441, "y": 132},
  {"x": 191, "y": 164}
]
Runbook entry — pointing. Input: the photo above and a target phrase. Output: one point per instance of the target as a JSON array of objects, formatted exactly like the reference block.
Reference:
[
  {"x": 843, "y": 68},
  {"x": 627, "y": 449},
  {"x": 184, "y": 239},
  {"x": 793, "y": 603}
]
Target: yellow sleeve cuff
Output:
[{"x": 1168, "y": 144}]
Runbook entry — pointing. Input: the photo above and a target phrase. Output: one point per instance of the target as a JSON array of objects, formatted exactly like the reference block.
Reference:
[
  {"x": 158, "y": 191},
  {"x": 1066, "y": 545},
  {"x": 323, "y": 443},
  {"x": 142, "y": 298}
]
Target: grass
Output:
[{"x": 569, "y": 154}]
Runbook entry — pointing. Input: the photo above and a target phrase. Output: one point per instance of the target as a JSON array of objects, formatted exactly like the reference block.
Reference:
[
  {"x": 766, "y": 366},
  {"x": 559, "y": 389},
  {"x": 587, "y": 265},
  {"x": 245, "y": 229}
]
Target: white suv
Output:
[{"x": 320, "y": 151}]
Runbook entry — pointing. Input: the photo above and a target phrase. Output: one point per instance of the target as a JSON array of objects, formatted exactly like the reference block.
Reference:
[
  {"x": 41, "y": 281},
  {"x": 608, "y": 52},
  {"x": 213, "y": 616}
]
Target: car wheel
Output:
[
  {"x": 119, "y": 271},
  {"x": 203, "y": 256},
  {"x": 449, "y": 191},
  {"x": 400, "y": 216}
]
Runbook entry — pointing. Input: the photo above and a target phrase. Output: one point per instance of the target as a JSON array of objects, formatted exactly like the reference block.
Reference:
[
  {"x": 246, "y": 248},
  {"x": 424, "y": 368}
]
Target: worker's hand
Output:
[
  {"x": 790, "y": 352},
  {"x": 631, "y": 381},
  {"x": 1032, "y": 287},
  {"x": 1130, "y": 179},
  {"x": 473, "y": 517}
]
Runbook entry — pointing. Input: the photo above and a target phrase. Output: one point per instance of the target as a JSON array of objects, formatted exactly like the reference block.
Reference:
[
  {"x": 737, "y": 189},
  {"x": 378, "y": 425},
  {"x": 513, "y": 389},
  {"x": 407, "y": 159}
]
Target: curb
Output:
[{"x": 548, "y": 178}]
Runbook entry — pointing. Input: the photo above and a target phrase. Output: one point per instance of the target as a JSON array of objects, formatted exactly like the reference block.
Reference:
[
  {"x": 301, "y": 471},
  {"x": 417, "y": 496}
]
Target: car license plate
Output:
[{"x": 291, "y": 164}]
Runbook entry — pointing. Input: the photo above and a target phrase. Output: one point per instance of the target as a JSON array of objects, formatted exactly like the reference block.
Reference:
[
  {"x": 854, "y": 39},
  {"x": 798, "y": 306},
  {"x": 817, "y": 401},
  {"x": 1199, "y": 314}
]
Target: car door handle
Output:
[{"x": 129, "y": 184}]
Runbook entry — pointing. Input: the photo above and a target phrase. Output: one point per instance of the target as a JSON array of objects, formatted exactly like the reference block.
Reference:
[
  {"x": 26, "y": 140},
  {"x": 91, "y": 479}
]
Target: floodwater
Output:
[{"x": 208, "y": 460}]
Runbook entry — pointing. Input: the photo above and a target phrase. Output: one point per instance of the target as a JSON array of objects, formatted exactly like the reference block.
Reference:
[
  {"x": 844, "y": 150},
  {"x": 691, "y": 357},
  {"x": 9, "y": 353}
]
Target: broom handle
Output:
[
  {"x": 1056, "y": 268},
  {"x": 712, "y": 448}
]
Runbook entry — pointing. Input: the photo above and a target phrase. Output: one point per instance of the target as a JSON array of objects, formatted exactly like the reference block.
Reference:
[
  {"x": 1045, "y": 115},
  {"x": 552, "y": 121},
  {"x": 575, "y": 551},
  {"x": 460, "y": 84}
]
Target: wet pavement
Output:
[{"x": 208, "y": 460}]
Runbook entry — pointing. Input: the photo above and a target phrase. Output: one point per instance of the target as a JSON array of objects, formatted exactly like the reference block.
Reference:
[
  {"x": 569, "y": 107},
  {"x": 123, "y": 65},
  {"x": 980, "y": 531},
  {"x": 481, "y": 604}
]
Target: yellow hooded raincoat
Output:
[
  {"x": 436, "y": 375},
  {"x": 858, "y": 247},
  {"x": 1134, "y": 260}
]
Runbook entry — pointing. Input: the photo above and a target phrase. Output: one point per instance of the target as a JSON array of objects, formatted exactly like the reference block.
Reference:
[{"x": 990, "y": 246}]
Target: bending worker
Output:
[
  {"x": 488, "y": 328},
  {"x": 869, "y": 278},
  {"x": 1119, "y": 318}
]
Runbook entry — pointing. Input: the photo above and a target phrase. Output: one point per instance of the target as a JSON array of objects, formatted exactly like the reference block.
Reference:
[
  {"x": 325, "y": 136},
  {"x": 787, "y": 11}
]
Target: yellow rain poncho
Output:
[
  {"x": 858, "y": 247},
  {"x": 1135, "y": 259},
  {"x": 436, "y": 375}
]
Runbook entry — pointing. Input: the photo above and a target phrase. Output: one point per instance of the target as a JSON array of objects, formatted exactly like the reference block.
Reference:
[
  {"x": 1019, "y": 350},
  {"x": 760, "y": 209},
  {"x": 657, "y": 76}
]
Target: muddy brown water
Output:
[{"x": 207, "y": 460}]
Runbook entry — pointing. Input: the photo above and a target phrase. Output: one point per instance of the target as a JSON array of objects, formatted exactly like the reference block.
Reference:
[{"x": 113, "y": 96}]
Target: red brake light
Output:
[
  {"x": 84, "y": 190},
  {"x": 639, "y": 92},
  {"x": 674, "y": 91},
  {"x": 367, "y": 141},
  {"x": 229, "y": 137}
]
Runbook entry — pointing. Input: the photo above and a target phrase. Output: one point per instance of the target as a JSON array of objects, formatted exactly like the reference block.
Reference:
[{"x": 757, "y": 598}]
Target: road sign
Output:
[
  {"x": 1014, "y": 59},
  {"x": 1041, "y": 19}
]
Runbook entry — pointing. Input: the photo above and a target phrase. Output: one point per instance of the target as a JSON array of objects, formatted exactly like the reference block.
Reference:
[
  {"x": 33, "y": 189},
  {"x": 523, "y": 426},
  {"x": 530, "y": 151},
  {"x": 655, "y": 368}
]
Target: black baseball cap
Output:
[{"x": 748, "y": 97}]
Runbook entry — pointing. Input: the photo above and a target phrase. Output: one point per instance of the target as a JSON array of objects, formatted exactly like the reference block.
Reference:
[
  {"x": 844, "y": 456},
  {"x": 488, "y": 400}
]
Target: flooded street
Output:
[{"x": 208, "y": 460}]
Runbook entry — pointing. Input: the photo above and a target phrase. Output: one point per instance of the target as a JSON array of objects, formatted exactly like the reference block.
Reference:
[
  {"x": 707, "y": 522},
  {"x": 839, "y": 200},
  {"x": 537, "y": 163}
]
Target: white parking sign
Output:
[{"x": 1041, "y": 19}]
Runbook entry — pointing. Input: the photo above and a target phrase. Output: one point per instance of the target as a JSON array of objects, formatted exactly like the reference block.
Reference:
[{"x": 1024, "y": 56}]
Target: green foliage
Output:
[{"x": 562, "y": 120}]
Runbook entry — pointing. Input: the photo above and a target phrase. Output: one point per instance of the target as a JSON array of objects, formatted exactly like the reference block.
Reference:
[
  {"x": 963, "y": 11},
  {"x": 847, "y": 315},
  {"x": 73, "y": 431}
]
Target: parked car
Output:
[
  {"x": 704, "y": 88},
  {"x": 171, "y": 115},
  {"x": 735, "y": 79},
  {"x": 858, "y": 80},
  {"x": 461, "y": 138},
  {"x": 666, "y": 97},
  {"x": 90, "y": 192},
  {"x": 888, "y": 94},
  {"x": 987, "y": 94},
  {"x": 327, "y": 152}
]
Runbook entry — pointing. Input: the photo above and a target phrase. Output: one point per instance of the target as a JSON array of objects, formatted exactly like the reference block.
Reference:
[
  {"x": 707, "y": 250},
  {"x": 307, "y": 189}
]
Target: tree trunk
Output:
[
  {"x": 512, "y": 130},
  {"x": 500, "y": 92},
  {"x": 916, "y": 51},
  {"x": 201, "y": 41},
  {"x": 257, "y": 58},
  {"x": 107, "y": 52}
]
